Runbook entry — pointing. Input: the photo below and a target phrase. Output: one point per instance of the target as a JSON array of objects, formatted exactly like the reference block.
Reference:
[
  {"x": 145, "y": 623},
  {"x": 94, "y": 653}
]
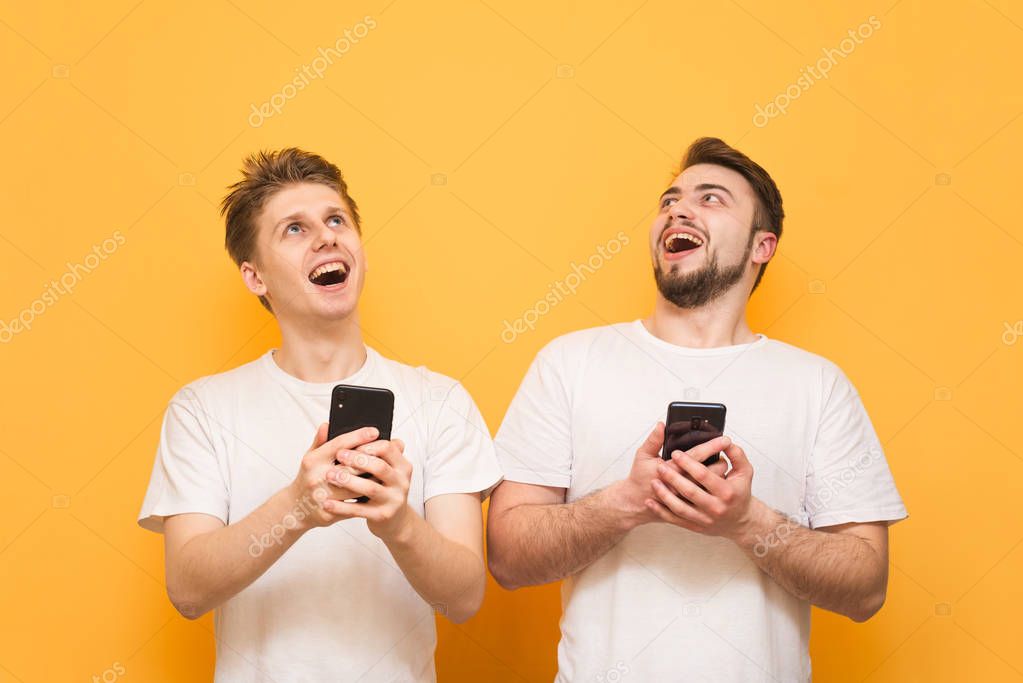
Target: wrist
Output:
[
  {"x": 295, "y": 509},
  {"x": 399, "y": 530},
  {"x": 628, "y": 508},
  {"x": 754, "y": 526}
]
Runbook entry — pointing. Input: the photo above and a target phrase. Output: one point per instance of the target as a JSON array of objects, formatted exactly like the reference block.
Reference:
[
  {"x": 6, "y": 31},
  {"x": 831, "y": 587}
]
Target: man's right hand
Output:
[
  {"x": 310, "y": 488},
  {"x": 629, "y": 495}
]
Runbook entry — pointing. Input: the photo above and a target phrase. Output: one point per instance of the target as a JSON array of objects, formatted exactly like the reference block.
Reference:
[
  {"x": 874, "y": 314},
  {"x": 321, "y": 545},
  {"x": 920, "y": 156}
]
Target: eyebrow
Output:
[
  {"x": 711, "y": 186},
  {"x": 298, "y": 214},
  {"x": 702, "y": 187}
]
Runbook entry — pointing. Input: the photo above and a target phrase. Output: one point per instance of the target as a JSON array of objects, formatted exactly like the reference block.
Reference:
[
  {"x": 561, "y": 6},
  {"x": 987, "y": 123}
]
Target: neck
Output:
[
  {"x": 722, "y": 322},
  {"x": 322, "y": 353}
]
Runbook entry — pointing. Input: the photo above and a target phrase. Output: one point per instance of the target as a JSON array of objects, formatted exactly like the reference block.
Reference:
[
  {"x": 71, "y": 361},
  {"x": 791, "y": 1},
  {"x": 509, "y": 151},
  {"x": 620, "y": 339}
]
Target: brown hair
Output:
[
  {"x": 263, "y": 175},
  {"x": 768, "y": 214}
]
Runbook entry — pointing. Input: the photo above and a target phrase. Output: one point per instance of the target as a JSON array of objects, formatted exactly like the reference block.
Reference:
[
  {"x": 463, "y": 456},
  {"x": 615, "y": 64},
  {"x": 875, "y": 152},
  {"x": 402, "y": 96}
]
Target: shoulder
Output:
[
  {"x": 808, "y": 367},
  {"x": 209, "y": 389},
  {"x": 576, "y": 346},
  {"x": 417, "y": 380},
  {"x": 791, "y": 356}
]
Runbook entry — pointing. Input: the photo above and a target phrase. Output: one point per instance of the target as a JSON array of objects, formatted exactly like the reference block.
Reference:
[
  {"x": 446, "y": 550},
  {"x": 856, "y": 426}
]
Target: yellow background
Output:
[{"x": 491, "y": 145}]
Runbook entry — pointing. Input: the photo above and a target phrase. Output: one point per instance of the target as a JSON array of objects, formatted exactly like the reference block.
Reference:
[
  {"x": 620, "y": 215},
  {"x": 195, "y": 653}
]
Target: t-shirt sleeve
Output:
[
  {"x": 186, "y": 476},
  {"x": 848, "y": 478},
  {"x": 534, "y": 443},
  {"x": 461, "y": 453}
]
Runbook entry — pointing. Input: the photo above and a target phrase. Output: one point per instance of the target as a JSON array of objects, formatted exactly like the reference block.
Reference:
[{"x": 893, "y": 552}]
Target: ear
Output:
[
  {"x": 766, "y": 245},
  {"x": 252, "y": 279}
]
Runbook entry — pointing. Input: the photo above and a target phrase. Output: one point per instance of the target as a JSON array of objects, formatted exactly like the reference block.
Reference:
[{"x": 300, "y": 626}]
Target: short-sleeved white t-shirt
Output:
[
  {"x": 335, "y": 606},
  {"x": 667, "y": 604}
]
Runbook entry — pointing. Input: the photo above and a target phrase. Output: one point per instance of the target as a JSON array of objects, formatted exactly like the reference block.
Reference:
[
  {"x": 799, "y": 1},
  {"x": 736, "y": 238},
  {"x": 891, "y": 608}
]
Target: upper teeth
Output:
[
  {"x": 684, "y": 235},
  {"x": 326, "y": 268}
]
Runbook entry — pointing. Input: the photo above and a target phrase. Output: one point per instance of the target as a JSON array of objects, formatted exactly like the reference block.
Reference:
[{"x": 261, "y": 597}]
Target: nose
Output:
[
  {"x": 680, "y": 210},
  {"x": 325, "y": 237}
]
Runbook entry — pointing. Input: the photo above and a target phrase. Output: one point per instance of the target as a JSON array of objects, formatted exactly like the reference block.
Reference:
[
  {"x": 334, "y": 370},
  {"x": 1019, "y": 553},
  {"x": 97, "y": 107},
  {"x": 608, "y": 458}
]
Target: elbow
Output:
[
  {"x": 868, "y": 607},
  {"x": 187, "y": 605},
  {"x": 461, "y": 615},
  {"x": 502, "y": 574},
  {"x": 468, "y": 604},
  {"x": 189, "y": 610}
]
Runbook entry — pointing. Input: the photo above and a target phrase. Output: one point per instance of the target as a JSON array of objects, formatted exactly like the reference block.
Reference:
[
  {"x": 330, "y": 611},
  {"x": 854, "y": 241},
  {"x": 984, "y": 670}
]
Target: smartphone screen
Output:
[{"x": 690, "y": 424}]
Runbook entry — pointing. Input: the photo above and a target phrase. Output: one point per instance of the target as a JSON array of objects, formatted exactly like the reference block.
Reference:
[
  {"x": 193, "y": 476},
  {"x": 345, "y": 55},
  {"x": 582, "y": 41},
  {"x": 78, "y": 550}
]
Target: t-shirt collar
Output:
[
  {"x": 297, "y": 385},
  {"x": 640, "y": 331}
]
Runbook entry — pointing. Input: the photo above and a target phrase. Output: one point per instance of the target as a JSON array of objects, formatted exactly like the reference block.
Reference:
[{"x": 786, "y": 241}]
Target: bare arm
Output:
[
  {"x": 843, "y": 569},
  {"x": 441, "y": 555},
  {"x": 208, "y": 562},
  {"x": 534, "y": 537}
]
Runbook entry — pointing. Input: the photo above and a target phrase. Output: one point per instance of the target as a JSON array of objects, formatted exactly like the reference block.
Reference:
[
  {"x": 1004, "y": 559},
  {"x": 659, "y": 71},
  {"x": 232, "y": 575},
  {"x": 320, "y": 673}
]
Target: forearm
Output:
[
  {"x": 533, "y": 544},
  {"x": 213, "y": 567},
  {"x": 838, "y": 572},
  {"x": 446, "y": 574}
]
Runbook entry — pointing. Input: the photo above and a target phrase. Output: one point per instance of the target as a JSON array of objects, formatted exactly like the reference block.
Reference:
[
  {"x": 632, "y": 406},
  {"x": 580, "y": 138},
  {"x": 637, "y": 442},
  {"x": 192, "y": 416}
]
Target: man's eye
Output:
[
  {"x": 708, "y": 197},
  {"x": 288, "y": 229},
  {"x": 337, "y": 220},
  {"x": 668, "y": 201}
]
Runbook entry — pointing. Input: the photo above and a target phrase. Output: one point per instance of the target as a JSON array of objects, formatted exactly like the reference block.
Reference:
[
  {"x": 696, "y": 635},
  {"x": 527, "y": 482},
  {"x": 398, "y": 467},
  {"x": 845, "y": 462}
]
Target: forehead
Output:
[
  {"x": 710, "y": 174},
  {"x": 299, "y": 198}
]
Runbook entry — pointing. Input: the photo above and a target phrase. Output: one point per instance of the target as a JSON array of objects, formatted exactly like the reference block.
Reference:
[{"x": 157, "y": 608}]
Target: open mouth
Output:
[
  {"x": 333, "y": 273},
  {"x": 678, "y": 242}
]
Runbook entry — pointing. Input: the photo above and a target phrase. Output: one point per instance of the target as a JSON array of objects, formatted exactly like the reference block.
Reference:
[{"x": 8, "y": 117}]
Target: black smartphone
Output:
[
  {"x": 690, "y": 424},
  {"x": 353, "y": 407}
]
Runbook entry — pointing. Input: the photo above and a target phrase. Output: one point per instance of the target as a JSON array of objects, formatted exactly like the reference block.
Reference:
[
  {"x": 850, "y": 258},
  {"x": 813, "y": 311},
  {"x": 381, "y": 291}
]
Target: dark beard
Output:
[{"x": 696, "y": 289}]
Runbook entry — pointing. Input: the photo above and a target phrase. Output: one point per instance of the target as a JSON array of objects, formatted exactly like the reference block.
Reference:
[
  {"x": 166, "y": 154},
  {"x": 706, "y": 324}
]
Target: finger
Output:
[
  {"x": 678, "y": 507},
  {"x": 349, "y": 440},
  {"x": 685, "y": 487},
  {"x": 357, "y": 485},
  {"x": 361, "y": 462},
  {"x": 320, "y": 437},
  {"x": 345, "y": 510},
  {"x": 709, "y": 448},
  {"x": 701, "y": 475},
  {"x": 338, "y": 492},
  {"x": 386, "y": 451},
  {"x": 651, "y": 447},
  {"x": 737, "y": 456},
  {"x": 665, "y": 515},
  {"x": 719, "y": 468}
]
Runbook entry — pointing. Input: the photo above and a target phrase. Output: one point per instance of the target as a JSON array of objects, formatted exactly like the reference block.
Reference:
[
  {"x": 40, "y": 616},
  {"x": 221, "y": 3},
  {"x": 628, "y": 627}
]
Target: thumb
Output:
[
  {"x": 400, "y": 444},
  {"x": 652, "y": 446},
  {"x": 321, "y": 436}
]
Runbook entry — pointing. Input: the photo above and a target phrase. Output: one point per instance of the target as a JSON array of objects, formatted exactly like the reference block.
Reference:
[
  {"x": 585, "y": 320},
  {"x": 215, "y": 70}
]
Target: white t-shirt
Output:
[
  {"x": 667, "y": 604},
  {"x": 335, "y": 606}
]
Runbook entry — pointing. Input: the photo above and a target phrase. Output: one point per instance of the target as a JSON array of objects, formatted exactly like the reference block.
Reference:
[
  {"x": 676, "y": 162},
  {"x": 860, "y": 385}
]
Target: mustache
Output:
[{"x": 685, "y": 222}]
